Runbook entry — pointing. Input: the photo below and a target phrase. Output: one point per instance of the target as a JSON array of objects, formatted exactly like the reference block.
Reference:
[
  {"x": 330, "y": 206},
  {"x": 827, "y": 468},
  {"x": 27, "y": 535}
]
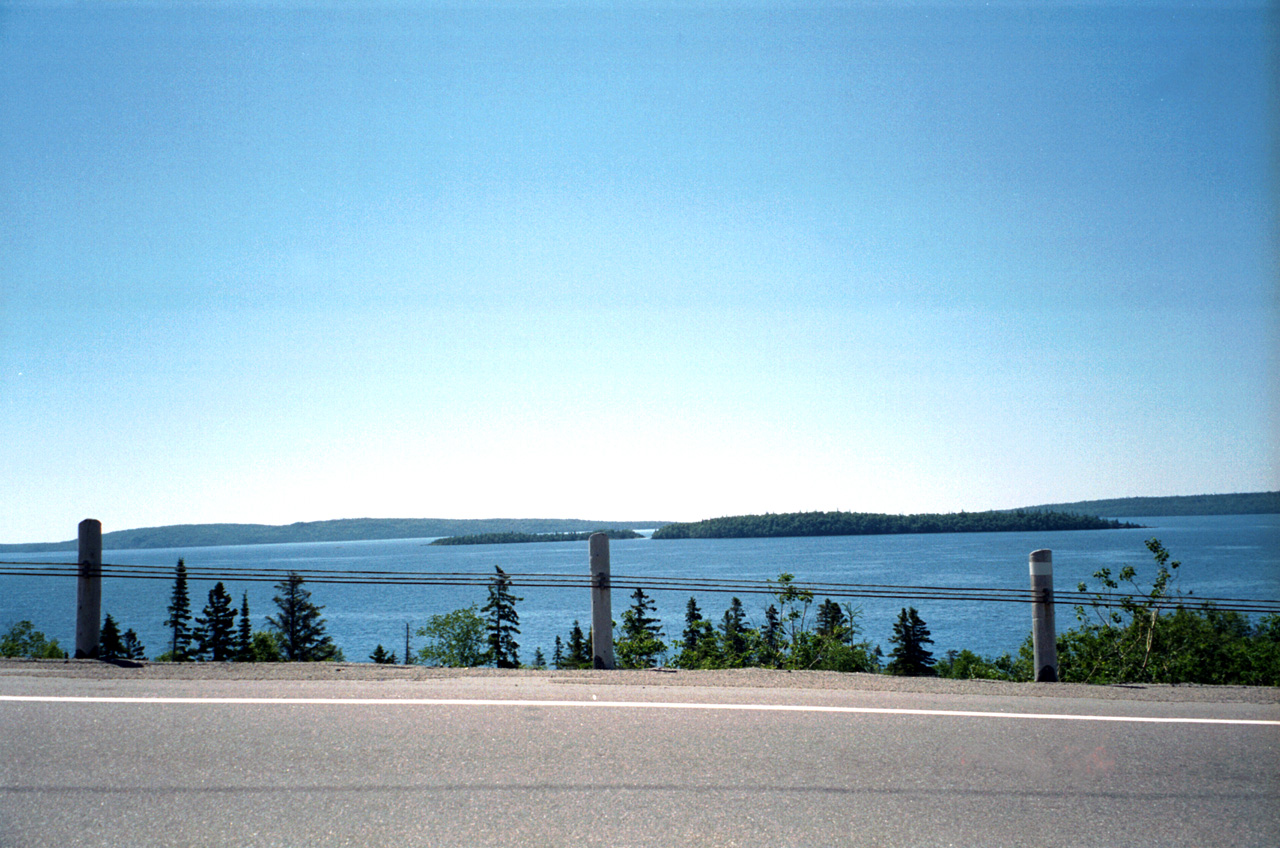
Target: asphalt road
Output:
[{"x": 626, "y": 759}]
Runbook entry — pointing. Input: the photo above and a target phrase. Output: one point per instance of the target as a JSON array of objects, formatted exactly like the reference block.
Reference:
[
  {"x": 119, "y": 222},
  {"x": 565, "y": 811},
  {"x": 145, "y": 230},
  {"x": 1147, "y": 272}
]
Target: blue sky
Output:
[{"x": 289, "y": 262}]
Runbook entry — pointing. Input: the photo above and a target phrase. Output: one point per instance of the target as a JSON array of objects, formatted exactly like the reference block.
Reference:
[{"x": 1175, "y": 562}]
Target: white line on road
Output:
[{"x": 637, "y": 705}]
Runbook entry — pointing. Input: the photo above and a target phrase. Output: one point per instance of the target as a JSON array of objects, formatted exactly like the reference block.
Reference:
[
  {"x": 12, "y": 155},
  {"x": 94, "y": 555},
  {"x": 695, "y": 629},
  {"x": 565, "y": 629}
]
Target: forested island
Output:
[
  {"x": 521, "y": 538},
  {"x": 876, "y": 524}
]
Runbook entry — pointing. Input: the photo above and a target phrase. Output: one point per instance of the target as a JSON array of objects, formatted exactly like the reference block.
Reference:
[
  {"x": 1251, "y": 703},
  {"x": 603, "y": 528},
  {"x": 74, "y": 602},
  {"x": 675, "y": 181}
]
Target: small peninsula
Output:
[
  {"x": 521, "y": 538},
  {"x": 875, "y": 524}
]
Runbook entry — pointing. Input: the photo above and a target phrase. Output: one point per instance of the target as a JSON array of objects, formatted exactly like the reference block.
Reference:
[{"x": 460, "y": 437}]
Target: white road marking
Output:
[{"x": 642, "y": 705}]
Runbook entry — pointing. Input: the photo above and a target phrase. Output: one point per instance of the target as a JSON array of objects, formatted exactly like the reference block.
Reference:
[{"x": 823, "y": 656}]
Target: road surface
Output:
[{"x": 628, "y": 758}]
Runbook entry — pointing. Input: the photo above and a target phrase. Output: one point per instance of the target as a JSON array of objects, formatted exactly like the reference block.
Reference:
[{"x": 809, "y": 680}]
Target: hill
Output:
[
  {"x": 340, "y": 530},
  {"x": 1249, "y": 503}
]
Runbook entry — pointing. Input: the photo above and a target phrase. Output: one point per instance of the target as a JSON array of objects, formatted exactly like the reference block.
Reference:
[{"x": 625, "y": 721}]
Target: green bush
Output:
[
  {"x": 456, "y": 639},
  {"x": 23, "y": 640},
  {"x": 1160, "y": 635}
]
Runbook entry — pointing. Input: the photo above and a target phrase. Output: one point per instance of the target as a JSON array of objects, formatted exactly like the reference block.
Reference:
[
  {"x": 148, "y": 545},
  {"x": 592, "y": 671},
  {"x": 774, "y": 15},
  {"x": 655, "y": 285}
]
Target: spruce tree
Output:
[
  {"x": 579, "y": 648},
  {"x": 557, "y": 655},
  {"x": 244, "y": 638},
  {"x": 910, "y": 635},
  {"x": 179, "y": 616},
  {"x": 640, "y": 641},
  {"x": 110, "y": 646},
  {"x": 539, "y": 661},
  {"x": 771, "y": 638},
  {"x": 697, "y": 642},
  {"x": 298, "y": 625},
  {"x": 215, "y": 631},
  {"x": 133, "y": 647},
  {"x": 381, "y": 657},
  {"x": 831, "y": 620},
  {"x": 502, "y": 621},
  {"x": 733, "y": 635}
]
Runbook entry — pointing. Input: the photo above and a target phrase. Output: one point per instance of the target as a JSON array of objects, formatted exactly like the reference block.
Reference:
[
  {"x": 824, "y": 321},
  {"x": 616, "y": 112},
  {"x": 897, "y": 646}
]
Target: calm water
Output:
[{"x": 1222, "y": 556}]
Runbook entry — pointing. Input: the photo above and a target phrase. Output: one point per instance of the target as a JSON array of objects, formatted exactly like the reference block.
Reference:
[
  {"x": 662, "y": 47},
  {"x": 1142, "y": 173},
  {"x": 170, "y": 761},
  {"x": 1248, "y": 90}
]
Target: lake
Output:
[{"x": 1223, "y": 556}]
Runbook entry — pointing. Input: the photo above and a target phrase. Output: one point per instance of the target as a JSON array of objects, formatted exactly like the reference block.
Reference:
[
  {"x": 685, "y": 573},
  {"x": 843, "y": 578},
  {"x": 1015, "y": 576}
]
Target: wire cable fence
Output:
[{"x": 649, "y": 583}]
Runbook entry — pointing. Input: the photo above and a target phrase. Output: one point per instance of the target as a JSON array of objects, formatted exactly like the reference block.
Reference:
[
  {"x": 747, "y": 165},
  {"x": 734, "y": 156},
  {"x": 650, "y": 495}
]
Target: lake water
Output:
[{"x": 1222, "y": 556}]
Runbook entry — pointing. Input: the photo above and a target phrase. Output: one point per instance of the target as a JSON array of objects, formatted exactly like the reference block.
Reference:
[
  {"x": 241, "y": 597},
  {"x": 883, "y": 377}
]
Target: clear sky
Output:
[{"x": 289, "y": 262}]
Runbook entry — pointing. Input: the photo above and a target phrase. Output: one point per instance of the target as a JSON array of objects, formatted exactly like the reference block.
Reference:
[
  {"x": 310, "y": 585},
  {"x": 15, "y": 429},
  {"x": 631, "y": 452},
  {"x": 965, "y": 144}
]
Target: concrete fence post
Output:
[
  {"x": 1044, "y": 637},
  {"x": 89, "y": 590},
  {"x": 601, "y": 605}
]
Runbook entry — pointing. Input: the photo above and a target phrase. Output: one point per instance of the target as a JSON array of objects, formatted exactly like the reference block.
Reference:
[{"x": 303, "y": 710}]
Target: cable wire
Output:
[{"x": 652, "y": 583}]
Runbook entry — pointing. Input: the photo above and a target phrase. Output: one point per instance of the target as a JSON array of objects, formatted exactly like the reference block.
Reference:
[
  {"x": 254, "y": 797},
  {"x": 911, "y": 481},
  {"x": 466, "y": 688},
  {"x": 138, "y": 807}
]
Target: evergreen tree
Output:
[
  {"x": 502, "y": 621},
  {"x": 909, "y": 656},
  {"x": 244, "y": 639},
  {"x": 640, "y": 642},
  {"x": 579, "y": 648},
  {"x": 179, "y": 616},
  {"x": 771, "y": 638},
  {"x": 539, "y": 661},
  {"x": 110, "y": 646},
  {"x": 697, "y": 642},
  {"x": 299, "y": 625},
  {"x": 557, "y": 655},
  {"x": 216, "y": 631},
  {"x": 734, "y": 635},
  {"x": 381, "y": 657},
  {"x": 831, "y": 620},
  {"x": 133, "y": 648}
]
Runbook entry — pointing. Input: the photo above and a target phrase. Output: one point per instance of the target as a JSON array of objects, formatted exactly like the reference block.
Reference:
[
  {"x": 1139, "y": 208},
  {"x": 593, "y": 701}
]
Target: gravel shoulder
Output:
[{"x": 339, "y": 673}]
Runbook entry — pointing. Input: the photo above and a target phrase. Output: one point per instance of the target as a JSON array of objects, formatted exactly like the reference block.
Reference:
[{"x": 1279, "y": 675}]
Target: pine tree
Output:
[
  {"x": 579, "y": 648},
  {"x": 910, "y": 635},
  {"x": 133, "y": 648},
  {"x": 557, "y": 655},
  {"x": 733, "y": 635},
  {"x": 244, "y": 638},
  {"x": 299, "y": 625},
  {"x": 110, "y": 646},
  {"x": 697, "y": 642},
  {"x": 831, "y": 620},
  {"x": 215, "y": 631},
  {"x": 771, "y": 638},
  {"x": 539, "y": 661},
  {"x": 381, "y": 657},
  {"x": 503, "y": 622},
  {"x": 180, "y": 616},
  {"x": 640, "y": 641}
]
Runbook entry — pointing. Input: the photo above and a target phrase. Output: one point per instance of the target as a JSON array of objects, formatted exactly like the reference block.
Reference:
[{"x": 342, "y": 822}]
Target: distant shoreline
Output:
[
  {"x": 379, "y": 529},
  {"x": 525, "y": 538},
  {"x": 1246, "y": 503},
  {"x": 340, "y": 530}
]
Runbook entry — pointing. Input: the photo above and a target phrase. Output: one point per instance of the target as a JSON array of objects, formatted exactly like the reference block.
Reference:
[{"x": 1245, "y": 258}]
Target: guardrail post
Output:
[
  {"x": 89, "y": 590},
  {"x": 1044, "y": 638},
  {"x": 601, "y": 605}
]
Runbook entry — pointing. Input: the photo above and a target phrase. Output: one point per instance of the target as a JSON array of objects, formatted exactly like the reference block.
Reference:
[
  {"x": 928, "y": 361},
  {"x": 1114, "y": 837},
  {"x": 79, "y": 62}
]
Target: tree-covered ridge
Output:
[
  {"x": 520, "y": 538},
  {"x": 875, "y": 524},
  {"x": 1246, "y": 503},
  {"x": 341, "y": 530}
]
